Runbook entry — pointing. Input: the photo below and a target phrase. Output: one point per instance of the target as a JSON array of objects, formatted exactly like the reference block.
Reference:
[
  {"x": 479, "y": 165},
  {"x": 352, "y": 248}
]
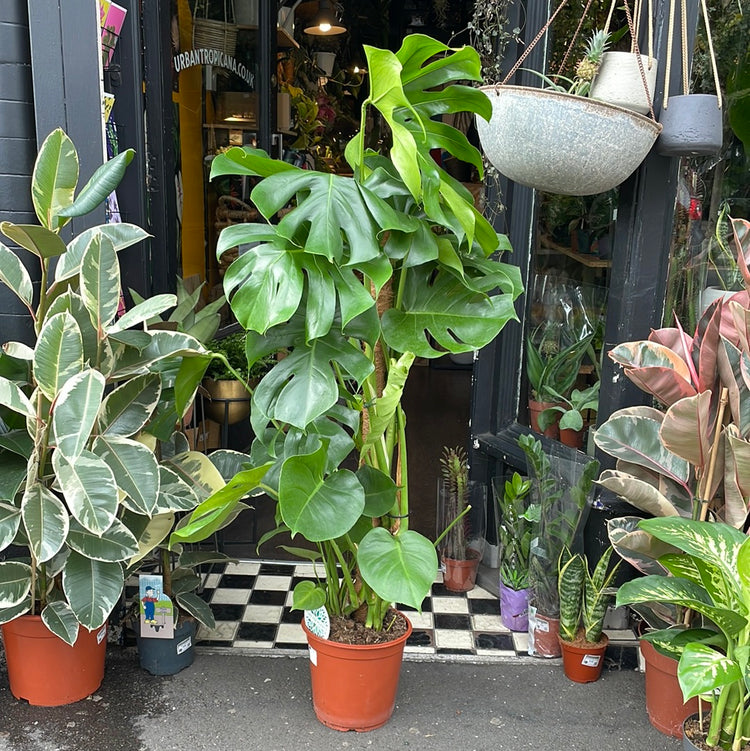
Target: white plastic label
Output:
[
  {"x": 541, "y": 625},
  {"x": 184, "y": 645},
  {"x": 318, "y": 622},
  {"x": 102, "y": 633},
  {"x": 591, "y": 661},
  {"x": 313, "y": 655}
]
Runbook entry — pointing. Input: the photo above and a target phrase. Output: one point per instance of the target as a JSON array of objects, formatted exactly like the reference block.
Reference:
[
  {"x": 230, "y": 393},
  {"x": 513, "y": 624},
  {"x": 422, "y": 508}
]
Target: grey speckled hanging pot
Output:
[
  {"x": 560, "y": 143},
  {"x": 692, "y": 126}
]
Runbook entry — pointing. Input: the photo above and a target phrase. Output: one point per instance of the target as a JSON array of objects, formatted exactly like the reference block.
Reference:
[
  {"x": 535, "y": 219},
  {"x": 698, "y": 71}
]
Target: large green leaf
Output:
[
  {"x": 93, "y": 588},
  {"x": 317, "y": 506},
  {"x": 638, "y": 492},
  {"x": 380, "y": 491},
  {"x": 75, "y": 412},
  {"x": 192, "y": 604},
  {"x": 135, "y": 470},
  {"x": 399, "y": 568},
  {"x": 45, "y": 519},
  {"x": 104, "y": 180},
  {"x": 127, "y": 409},
  {"x": 702, "y": 669},
  {"x": 100, "y": 282},
  {"x": 114, "y": 544},
  {"x": 440, "y": 307},
  {"x": 61, "y": 621},
  {"x": 12, "y": 397},
  {"x": 10, "y": 519},
  {"x": 15, "y": 583},
  {"x": 54, "y": 179},
  {"x": 38, "y": 240},
  {"x": 247, "y": 161},
  {"x": 148, "y": 532},
  {"x": 14, "y": 275},
  {"x": 89, "y": 488},
  {"x": 58, "y": 355}
]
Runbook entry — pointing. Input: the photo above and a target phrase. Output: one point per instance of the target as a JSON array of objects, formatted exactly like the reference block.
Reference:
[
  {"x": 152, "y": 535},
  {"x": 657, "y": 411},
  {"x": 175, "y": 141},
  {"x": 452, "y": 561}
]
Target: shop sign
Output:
[{"x": 204, "y": 56}]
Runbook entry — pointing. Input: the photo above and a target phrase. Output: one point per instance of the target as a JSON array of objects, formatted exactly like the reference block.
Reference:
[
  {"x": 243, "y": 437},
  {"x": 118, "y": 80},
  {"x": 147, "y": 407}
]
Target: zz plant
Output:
[
  {"x": 362, "y": 276},
  {"x": 91, "y": 473}
]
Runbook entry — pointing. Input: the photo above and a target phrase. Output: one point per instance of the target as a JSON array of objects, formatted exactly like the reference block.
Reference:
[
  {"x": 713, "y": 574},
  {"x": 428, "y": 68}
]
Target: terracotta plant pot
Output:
[
  {"x": 583, "y": 662},
  {"x": 535, "y": 409},
  {"x": 543, "y": 632},
  {"x": 461, "y": 575},
  {"x": 572, "y": 438},
  {"x": 514, "y": 608},
  {"x": 354, "y": 686},
  {"x": 229, "y": 401},
  {"x": 168, "y": 656},
  {"x": 664, "y": 704},
  {"x": 47, "y": 672}
]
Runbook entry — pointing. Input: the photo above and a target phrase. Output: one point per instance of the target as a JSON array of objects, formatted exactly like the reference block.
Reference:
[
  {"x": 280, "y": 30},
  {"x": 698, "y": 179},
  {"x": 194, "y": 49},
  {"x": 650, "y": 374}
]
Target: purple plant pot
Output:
[{"x": 514, "y": 608}]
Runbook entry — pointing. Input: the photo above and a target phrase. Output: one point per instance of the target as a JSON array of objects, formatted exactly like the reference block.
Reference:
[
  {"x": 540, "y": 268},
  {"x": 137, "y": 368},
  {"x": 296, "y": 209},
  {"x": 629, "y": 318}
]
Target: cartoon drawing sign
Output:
[{"x": 156, "y": 609}]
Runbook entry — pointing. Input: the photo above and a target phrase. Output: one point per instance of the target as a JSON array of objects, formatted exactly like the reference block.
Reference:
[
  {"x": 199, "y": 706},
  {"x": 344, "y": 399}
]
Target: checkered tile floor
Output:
[{"x": 251, "y": 602}]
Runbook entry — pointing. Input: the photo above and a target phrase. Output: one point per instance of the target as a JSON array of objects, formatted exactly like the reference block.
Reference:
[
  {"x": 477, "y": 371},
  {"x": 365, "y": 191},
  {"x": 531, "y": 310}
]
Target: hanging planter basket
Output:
[
  {"x": 560, "y": 143},
  {"x": 215, "y": 34}
]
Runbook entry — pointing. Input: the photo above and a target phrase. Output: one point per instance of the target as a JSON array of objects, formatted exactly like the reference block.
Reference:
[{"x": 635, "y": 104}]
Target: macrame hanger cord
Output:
[
  {"x": 668, "y": 64},
  {"x": 638, "y": 57},
  {"x": 711, "y": 52}
]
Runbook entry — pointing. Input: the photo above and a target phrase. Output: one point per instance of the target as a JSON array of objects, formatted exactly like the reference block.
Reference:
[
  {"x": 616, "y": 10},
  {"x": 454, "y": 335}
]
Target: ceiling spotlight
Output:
[{"x": 324, "y": 22}]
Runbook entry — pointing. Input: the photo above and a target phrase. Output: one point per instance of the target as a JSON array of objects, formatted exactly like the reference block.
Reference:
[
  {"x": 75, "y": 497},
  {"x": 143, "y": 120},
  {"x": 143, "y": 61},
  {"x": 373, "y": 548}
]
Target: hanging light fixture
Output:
[{"x": 324, "y": 22}]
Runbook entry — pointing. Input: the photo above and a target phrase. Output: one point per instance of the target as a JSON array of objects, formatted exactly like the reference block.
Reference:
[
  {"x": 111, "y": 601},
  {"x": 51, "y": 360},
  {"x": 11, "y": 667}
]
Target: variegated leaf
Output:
[
  {"x": 687, "y": 430},
  {"x": 162, "y": 345},
  {"x": 148, "y": 534},
  {"x": 54, "y": 179},
  {"x": 736, "y": 478},
  {"x": 45, "y": 519},
  {"x": 10, "y": 519},
  {"x": 640, "y": 549},
  {"x": 13, "y": 398},
  {"x": 93, "y": 588},
  {"x": 100, "y": 282},
  {"x": 115, "y": 544},
  {"x": 570, "y": 589},
  {"x": 59, "y": 353},
  {"x": 75, "y": 411},
  {"x": 89, "y": 488},
  {"x": 15, "y": 583},
  {"x": 14, "y": 275},
  {"x": 61, "y": 621},
  {"x": 144, "y": 311},
  {"x": 128, "y": 408},
  {"x": 198, "y": 608},
  {"x": 174, "y": 493},
  {"x": 198, "y": 471},
  {"x": 638, "y": 493},
  {"x": 702, "y": 669}
]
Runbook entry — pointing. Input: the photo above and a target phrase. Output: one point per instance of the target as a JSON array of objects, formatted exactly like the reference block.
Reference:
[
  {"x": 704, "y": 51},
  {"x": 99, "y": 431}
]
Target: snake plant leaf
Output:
[
  {"x": 15, "y": 276},
  {"x": 635, "y": 438},
  {"x": 61, "y": 621},
  {"x": 681, "y": 592},
  {"x": 736, "y": 478},
  {"x": 10, "y": 519},
  {"x": 15, "y": 583},
  {"x": 640, "y": 549},
  {"x": 143, "y": 312},
  {"x": 100, "y": 282},
  {"x": 75, "y": 412},
  {"x": 702, "y": 670},
  {"x": 639, "y": 493},
  {"x": 134, "y": 468},
  {"x": 89, "y": 488},
  {"x": 122, "y": 235},
  {"x": 193, "y": 605},
  {"x": 92, "y": 588},
  {"x": 37, "y": 240},
  {"x": 45, "y": 520},
  {"x": 58, "y": 355},
  {"x": 54, "y": 179},
  {"x": 317, "y": 506},
  {"x": 399, "y": 568},
  {"x": 442, "y": 308},
  {"x": 572, "y": 572},
  {"x": 127, "y": 409},
  {"x": 308, "y": 596},
  {"x": 380, "y": 491},
  {"x": 655, "y": 369},
  {"x": 115, "y": 544},
  {"x": 104, "y": 180},
  {"x": 247, "y": 161},
  {"x": 13, "y": 398},
  {"x": 687, "y": 430},
  {"x": 211, "y": 514}
]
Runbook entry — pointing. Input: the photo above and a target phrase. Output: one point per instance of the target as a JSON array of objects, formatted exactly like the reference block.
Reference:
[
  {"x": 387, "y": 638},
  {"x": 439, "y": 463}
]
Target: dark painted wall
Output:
[{"x": 17, "y": 148}]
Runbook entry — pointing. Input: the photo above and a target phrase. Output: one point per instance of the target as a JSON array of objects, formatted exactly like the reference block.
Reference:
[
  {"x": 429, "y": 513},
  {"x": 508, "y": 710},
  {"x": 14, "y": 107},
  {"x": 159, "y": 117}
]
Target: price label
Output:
[
  {"x": 591, "y": 661},
  {"x": 318, "y": 622}
]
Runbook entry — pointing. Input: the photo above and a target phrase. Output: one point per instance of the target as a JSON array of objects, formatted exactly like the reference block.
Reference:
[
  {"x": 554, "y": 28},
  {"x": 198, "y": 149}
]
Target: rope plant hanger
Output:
[
  {"x": 692, "y": 123},
  {"x": 553, "y": 139}
]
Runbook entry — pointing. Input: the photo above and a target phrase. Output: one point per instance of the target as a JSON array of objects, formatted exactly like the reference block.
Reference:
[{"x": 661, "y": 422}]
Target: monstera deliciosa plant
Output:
[
  {"x": 91, "y": 471},
  {"x": 362, "y": 276}
]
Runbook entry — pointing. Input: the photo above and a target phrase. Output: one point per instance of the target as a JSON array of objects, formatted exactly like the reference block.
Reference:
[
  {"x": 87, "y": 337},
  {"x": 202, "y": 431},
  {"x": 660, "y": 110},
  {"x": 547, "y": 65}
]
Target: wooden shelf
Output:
[
  {"x": 592, "y": 261},
  {"x": 283, "y": 39}
]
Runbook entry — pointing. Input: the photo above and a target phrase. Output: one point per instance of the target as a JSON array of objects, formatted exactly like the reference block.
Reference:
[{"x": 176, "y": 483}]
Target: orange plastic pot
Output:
[
  {"x": 544, "y": 632},
  {"x": 46, "y": 671},
  {"x": 354, "y": 686},
  {"x": 583, "y": 663},
  {"x": 460, "y": 575},
  {"x": 664, "y": 704},
  {"x": 535, "y": 409}
]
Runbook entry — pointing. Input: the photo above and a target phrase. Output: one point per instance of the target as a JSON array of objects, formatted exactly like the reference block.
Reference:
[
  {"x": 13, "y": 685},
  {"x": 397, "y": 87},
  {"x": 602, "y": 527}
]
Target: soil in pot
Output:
[
  {"x": 354, "y": 631},
  {"x": 461, "y": 575},
  {"x": 694, "y": 734}
]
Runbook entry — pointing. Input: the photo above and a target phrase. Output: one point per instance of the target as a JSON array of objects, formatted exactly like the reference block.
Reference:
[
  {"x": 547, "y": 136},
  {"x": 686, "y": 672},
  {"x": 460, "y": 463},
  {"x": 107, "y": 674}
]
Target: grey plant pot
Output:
[
  {"x": 561, "y": 143},
  {"x": 692, "y": 126}
]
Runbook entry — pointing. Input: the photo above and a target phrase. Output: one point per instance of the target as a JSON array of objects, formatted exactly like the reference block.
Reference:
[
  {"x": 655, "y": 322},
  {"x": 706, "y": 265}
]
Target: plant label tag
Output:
[
  {"x": 591, "y": 661},
  {"x": 101, "y": 634},
  {"x": 313, "y": 655},
  {"x": 541, "y": 625},
  {"x": 156, "y": 609},
  {"x": 318, "y": 622},
  {"x": 184, "y": 645}
]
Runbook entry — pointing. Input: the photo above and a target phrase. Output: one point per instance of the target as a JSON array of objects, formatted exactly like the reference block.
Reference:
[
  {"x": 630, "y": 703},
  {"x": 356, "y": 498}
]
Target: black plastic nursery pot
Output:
[{"x": 168, "y": 656}]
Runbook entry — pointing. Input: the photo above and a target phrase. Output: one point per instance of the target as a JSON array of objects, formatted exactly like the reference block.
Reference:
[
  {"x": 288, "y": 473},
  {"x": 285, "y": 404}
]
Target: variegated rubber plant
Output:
[
  {"x": 91, "y": 471},
  {"x": 362, "y": 276}
]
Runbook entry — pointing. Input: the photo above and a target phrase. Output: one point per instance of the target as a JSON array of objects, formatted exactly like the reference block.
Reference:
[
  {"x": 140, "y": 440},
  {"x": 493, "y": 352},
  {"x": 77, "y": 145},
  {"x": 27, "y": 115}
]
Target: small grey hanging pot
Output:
[{"x": 691, "y": 126}]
